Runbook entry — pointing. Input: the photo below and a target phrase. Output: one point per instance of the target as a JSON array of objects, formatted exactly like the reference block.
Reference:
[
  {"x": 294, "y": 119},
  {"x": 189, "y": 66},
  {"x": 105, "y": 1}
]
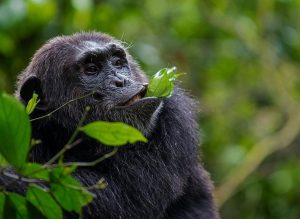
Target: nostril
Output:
[{"x": 119, "y": 83}]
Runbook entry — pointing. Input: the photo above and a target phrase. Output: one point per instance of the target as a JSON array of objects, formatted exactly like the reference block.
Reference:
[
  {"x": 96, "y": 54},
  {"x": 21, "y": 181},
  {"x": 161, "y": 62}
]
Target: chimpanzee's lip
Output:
[
  {"x": 138, "y": 104},
  {"x": 141, "y": 103},
  {"x": 139, "y": 100},
  {"x": 135, "y": 98}
]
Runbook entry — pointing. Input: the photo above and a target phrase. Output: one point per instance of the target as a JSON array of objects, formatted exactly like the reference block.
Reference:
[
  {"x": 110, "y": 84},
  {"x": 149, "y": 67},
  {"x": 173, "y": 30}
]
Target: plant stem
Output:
[
  {"x": 69, "y": 144},
  {"x": 95, "y": 162},
  {"x": 65, "y": 104},
  {"x": 18, "y": 177}
]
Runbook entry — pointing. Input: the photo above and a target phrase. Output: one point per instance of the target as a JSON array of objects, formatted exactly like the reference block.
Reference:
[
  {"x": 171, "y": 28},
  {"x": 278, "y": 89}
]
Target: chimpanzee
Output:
[{"x": 159, "y": 179}]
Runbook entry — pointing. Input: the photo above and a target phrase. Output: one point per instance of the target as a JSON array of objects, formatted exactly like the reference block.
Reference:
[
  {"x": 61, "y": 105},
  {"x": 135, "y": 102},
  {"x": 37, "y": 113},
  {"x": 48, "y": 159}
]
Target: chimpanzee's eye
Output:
[
  {"x": 91, "y": 69},
  {"x": 118, "y": 63},
  {"x": 119, "y": 58}
]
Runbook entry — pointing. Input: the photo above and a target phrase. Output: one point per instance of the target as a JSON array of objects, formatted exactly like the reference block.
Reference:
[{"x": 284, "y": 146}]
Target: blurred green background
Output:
[{"x": 242, "y": 59}]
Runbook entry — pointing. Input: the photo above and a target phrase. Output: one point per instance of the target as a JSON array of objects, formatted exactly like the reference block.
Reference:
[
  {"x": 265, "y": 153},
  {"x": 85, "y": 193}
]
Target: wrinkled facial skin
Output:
[
  {"x": 119, "y": 96},
  {"x": 68, "y": 68},
  {"x": 105, "y": 70}
]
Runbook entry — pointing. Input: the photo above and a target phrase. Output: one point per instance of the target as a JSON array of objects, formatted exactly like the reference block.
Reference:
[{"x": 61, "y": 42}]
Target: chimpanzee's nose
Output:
[{"x": 119, "y": 82}]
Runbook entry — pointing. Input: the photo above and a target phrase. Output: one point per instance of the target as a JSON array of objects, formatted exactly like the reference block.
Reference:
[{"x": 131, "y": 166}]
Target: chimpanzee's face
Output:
[{"x": 67, "y": 68}]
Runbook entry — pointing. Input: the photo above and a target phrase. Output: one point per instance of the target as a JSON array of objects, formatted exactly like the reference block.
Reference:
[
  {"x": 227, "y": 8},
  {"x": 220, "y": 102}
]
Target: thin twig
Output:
[
  {"x": 95, "y": 162},
  {"x": 20, "y": 178},
  {"x": 69, "y": 144},
  {"x": 65, "y": 104}
]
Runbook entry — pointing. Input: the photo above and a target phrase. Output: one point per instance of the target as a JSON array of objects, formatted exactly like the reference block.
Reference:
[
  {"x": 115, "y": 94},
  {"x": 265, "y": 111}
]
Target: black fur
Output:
[{"x": 160, "y": 179}]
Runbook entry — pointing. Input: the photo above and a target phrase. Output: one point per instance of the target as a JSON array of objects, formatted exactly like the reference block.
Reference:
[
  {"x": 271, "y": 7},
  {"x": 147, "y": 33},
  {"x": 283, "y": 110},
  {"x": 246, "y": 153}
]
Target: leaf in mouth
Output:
[{"x": 162, "y": 83}]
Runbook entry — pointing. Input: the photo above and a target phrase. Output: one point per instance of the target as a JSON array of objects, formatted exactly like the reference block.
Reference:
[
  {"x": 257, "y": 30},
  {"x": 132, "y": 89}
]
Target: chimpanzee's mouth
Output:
[
  {"x": 134, "y": 99},
  {"x": 137, "y": 97},
  {"x": 139, "y": 103}
]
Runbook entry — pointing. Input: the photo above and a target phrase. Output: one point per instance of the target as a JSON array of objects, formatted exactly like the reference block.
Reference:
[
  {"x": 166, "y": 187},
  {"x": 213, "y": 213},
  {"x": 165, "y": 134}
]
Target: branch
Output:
[
  {"x": 20, "y": 178},
  {"x": 65, "y": 104},
  {"x": 95, "y": 162},
  {"x": 70, "y": 144}
]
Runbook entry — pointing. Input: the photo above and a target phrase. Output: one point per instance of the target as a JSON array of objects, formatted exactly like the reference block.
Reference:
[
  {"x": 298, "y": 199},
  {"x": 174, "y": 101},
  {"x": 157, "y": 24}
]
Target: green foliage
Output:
[
  {"x": 113, "y": 133},
  {"x": 3, "y": 162},
  {"x": 43, "y": 201},
  {"x": 243, "y": 62},
  {"x": 68, "y": 192},
  {"x": 64, "y": 191},
  {"x": 162, "y": 83},
  {"x": 35, "y": 170},
  {"x": 32, "y": 103},
  {"x": 15, "y": 131},
  {"x": 2, "y": 201},
  {"x": 15, "y": 206}
]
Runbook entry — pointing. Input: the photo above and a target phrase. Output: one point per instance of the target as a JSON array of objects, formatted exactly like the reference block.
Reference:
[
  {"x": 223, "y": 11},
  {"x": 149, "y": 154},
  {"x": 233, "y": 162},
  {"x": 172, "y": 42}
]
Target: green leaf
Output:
[
  {"x": 35, "y": 170},
  {"x": 113, "y": 133},
  {"x": 162, "y": 83},
  {"x": 15, "y": 206},
  {"x": 33, "y": 212},
  {"x": 9, "y": 210},
  {"x": 3, "y": 162},
  {"x": 71, "y": 199},
  {"x": 59, "y": 172},
  {"x": 43, "y": 201},
  {"x": 2, "y": 202},
  {"x": 68, "y": 192},
  {"x": 32, "y": 103},
  {"x": 15, "y": 131}
]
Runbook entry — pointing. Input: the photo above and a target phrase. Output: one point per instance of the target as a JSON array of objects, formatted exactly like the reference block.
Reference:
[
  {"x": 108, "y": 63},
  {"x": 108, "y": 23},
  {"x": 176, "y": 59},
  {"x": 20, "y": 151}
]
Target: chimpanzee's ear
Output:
[{"x": 32, "y": 85}]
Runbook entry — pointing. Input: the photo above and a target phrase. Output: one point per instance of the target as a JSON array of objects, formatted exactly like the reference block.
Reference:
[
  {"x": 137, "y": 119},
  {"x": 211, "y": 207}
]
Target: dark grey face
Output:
[
  {"x": 119, "y": 96},
  {"x": 69, "y": 67},
  {"x": 105, "y": 70}
]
